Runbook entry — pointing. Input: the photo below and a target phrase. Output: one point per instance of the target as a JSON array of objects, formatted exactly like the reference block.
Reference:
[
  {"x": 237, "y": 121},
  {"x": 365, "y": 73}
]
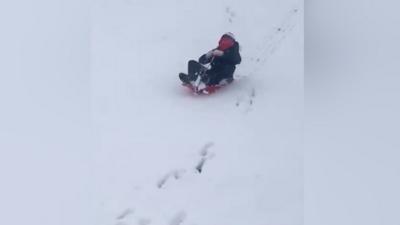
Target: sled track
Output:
[{"x": 272, "y": 42}]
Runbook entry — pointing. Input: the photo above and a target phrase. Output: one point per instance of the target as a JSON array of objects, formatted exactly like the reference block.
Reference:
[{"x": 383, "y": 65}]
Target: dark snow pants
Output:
[{"x": 214, "y": 75}]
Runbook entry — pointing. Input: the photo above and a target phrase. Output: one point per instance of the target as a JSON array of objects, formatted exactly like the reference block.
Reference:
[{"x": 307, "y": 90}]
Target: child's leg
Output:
[{"x": 194, "y": 67}]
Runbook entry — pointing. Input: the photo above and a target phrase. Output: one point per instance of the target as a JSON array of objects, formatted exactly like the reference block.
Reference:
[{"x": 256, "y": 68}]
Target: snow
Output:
[
  {"x": 103, "y": 133},
  {"x": 352, "y": 107}
]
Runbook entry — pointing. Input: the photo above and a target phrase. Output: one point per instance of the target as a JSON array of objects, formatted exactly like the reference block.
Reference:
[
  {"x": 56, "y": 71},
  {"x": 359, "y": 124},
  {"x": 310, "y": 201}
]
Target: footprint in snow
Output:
[
  {"x": 205, "y": 155},
  {"x": 176, "y": 174},
  {"x": 178, "y": 219},
  {"x": 245, "y": 102},
  {"x": 123, "y": 217},
  {"x": 124, "y": 214}
]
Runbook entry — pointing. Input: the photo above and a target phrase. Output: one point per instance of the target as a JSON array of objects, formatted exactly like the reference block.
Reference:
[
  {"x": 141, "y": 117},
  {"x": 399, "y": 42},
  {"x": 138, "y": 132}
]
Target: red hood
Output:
[{"x": 225, "y": 43}]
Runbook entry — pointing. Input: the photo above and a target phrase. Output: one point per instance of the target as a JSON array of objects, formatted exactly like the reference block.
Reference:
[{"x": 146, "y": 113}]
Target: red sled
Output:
[{"x": 206, "y": 90}]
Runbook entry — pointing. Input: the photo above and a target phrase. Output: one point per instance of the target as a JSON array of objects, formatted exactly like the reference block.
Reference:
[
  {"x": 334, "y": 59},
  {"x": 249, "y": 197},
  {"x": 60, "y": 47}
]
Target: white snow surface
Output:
[{"x": 96, "y": 128}]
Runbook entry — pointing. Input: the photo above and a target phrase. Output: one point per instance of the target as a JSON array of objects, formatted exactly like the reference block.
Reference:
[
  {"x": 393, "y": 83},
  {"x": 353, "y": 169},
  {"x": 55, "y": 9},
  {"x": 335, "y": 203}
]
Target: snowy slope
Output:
[
  {"x": 352, "y": 113},
  {"x": 45, "y": 143},
  {"x": 104, "y": 134},
  {"x": 153, "y": 133}
]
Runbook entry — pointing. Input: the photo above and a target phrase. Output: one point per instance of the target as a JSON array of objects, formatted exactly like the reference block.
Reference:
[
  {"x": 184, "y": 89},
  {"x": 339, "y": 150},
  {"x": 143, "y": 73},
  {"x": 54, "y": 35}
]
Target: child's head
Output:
[{"x": 227, "y": 40}]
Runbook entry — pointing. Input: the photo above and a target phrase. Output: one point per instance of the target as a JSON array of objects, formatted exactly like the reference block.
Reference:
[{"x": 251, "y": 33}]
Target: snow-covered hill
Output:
[{"x": 111, "y": 138}]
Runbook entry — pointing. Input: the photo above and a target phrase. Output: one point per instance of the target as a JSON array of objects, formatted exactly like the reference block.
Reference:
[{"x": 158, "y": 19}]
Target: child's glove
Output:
[
  {"x": 209, "y": 54},
  {"x": 214, "y": 52},
  {"x": 217, "y": 52}
]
